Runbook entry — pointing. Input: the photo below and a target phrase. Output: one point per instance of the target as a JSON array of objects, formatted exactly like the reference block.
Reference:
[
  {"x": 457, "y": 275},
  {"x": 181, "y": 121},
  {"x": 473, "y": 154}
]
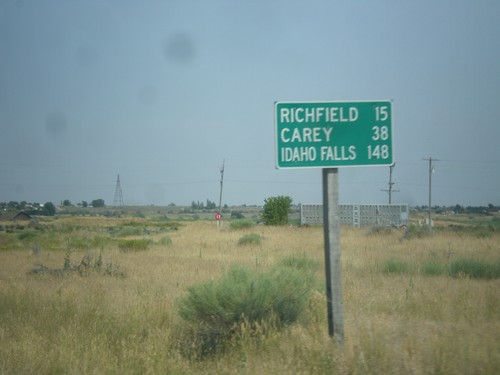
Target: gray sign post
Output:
[{"x": 332, "y": 253}]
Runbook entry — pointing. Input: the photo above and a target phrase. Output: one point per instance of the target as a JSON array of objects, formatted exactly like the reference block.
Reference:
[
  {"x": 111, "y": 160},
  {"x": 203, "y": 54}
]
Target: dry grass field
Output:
[{"x": 121, "y": 317}]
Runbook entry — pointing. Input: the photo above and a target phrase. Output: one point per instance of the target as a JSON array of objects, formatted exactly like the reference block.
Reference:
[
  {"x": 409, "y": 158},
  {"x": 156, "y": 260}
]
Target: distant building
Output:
[
  {"x": 359, "y": 214},
  {"x": 22, "y": 216}
]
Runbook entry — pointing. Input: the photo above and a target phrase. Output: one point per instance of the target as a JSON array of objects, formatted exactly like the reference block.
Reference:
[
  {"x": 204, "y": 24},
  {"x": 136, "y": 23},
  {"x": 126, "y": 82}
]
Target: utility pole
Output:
[
  {"x": 221, "y": 185},
  {"x": 390, "y": 190},
  {"x": 118, "y": 198},
  {"x": 431, "y": 171}
]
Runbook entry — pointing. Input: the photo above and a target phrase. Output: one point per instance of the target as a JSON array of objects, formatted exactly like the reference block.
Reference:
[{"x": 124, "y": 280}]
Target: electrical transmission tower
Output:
[
  {"x": 391, "y": 184},
  {"x": 118, "y": 199}
]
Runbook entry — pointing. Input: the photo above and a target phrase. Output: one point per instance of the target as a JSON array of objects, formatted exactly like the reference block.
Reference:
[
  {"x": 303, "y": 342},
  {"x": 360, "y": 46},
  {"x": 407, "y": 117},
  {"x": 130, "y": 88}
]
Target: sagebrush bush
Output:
[
  {"x": 214, "y": 311},
  {"x": 250, "y": 239}
]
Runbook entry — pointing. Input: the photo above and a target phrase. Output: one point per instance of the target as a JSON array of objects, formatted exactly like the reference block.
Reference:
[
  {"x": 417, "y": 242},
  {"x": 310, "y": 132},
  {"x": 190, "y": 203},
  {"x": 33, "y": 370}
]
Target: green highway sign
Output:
[{"x": 333, "y": 134}]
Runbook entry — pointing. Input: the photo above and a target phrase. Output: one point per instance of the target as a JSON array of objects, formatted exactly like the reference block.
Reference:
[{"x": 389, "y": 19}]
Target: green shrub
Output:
[
  {"x": 133, "y": 223},
  {"x": 417, "y": 231},
  {"x": 237, "y": 215},
  {"x": 432, "y": 268},
  {"x": 80, "y": 243},
  {"x": 167, "y": 225},
  {"x": 215, "y": 312},
  {"x": 125, "y": 231},
  {"x": 27, "y": 235},
  {"x": 380, "y": 229},
  {"x": 299, "y": 262},
  {"x": 395, "y": 266},
  {"x": 134, "y": 245},
  {"x": 100, "y": 241},
  {"x": 165, "y": 241},
  {"x": 475, "y": 269},
  {"x": 250, "y": 239},
  {"x": 242, "y": 224},
  {"x": 482, "y": 231},
  {"x": 67, "y": 262},
  {"x": 478, "y": 231},
  {"x": 98, "y": 263}
]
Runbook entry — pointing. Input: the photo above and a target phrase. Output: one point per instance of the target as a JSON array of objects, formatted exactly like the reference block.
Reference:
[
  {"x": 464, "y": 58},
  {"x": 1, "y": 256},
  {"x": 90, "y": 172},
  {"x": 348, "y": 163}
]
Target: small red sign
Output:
[{"x": 218, "y": 217}]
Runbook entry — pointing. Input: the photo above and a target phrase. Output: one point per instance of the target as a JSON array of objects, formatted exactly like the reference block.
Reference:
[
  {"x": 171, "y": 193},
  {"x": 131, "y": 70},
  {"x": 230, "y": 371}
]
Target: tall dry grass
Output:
[{"x": 394, "y": 323}]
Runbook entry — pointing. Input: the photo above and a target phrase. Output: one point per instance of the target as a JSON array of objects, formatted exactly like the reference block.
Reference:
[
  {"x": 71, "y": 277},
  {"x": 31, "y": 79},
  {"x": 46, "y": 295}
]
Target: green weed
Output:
[
  {"x": 478, "y": 231},
  {"x": 432, "y": 268},
  {"x": 299, "y": 262},
  {"x": 474, "y": 269},
  {"x": 417, "y": 231},
  {"x": 250, "y": 239},
  {"x": 126, "y": 231},
  {"x": 134, "y": 245},
  {"x": 380, "y": 230},
  {"x": 27, "y": 235},
  {"x": 242, "y": 224},
  {"x": 165, "y": 241},
  {"x": 395, "y": 266}
]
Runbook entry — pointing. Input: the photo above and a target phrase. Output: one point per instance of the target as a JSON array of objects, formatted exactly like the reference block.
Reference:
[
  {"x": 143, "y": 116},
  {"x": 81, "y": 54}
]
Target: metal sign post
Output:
[{"x": 332, "y": 253}]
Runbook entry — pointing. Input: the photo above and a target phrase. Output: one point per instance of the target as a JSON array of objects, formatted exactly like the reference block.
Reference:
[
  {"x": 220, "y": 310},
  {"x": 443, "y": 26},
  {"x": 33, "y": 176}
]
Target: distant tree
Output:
[
  {"x": 210, "y": 205},
  {"x": 98, "y": 203},
  {"x": 276, "y": 210},
  {"x": 200, "y": 205},
  {"x": 49, "y": 209},
  {"x": 13, "y": 204},
  {"x": 66, "y": 203},
  {"x": 84, "y": 204},
  {"x": 237, "y": 215}
]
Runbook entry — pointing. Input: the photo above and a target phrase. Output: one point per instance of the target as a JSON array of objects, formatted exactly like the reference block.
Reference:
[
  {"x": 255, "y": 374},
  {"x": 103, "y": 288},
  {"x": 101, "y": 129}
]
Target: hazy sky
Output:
[{"x": 161, "y": 92}]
